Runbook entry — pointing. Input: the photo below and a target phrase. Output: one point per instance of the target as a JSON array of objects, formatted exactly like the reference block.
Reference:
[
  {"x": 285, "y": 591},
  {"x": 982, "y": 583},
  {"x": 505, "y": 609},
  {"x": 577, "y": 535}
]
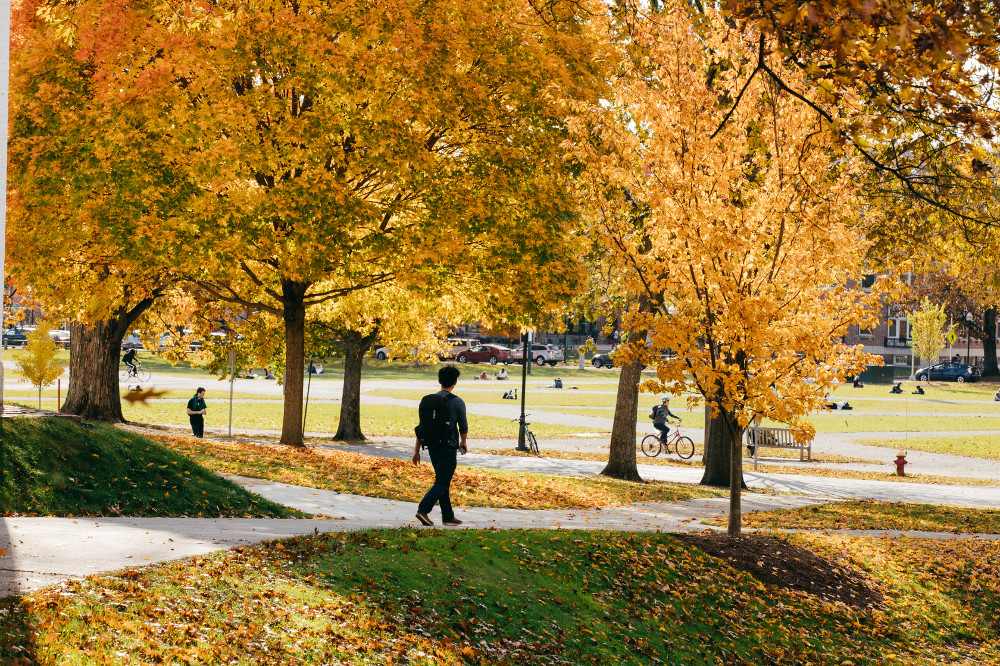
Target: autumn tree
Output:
[
  {"x": 963, "y": 285},
  {"x": 38, "y": 363},
  {"x": 90, "y": 202},
  {"x": 746, "y": 250},
  {"x": 340, "y": 147},
  {"x": 929, "y": 328},
  {"x": 864, "y": 68}
]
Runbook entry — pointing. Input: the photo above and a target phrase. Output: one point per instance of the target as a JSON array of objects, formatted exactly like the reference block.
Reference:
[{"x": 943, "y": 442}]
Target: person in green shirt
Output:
[{"x": 196, "y": 412}]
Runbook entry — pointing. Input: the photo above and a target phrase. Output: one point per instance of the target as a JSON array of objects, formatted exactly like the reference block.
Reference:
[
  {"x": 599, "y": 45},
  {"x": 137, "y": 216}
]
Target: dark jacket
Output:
[{"x": 661, "y": 412}]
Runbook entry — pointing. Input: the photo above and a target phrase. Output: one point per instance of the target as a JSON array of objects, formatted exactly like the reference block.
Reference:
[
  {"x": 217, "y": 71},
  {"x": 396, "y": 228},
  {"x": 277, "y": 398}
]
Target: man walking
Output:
[
  {"x": 196, "y": 412},
  {"x": 443, "y": 441}
]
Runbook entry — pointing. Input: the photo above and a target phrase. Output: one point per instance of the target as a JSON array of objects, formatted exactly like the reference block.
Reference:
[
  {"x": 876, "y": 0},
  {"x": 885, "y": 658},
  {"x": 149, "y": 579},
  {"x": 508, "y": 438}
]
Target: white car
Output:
[
  {"x": 60, "y": 337},
  {"x": 540, "y": 354}
]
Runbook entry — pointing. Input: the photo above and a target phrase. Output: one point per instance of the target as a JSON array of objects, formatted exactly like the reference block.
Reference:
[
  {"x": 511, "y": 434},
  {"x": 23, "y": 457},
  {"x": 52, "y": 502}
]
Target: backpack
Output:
[
  {"x": 434, "y": 428},
  {"x": 652, "y": 412}
]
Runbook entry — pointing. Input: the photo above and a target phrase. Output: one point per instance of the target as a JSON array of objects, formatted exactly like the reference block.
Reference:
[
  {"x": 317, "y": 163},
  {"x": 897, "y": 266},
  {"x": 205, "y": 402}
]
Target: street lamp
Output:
[{"x": 968, "y": 337}]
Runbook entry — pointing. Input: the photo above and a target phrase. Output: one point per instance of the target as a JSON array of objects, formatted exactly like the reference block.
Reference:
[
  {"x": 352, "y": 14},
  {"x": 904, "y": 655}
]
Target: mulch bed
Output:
[{"x": 774, "y": 561}]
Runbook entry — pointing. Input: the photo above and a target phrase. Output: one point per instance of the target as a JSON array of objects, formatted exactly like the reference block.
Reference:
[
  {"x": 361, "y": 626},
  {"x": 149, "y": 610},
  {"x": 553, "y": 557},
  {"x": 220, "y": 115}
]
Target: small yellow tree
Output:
[
  {"x": 38, "y": 364},
  {"x": 928, "y": 325}
]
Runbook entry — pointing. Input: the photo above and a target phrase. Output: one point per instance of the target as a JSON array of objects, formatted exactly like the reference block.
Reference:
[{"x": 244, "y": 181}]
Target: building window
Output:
[
  {"x": 864, "y": 333},
  {"x": 900, "y": 360}
]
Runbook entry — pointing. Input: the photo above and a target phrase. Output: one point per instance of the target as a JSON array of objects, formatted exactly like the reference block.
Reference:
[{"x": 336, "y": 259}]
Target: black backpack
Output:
[
  {"x": 434, "y": 428},
  {"x": 652, "y": 412}
]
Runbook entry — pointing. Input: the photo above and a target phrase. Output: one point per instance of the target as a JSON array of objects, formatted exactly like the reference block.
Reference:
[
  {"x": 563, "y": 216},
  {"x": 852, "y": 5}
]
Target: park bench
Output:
[{"x": 776, "y": 438}]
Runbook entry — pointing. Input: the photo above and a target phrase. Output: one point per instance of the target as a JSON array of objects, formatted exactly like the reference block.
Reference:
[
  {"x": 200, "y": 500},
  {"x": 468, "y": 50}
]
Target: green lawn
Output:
[
  {"x": 431, "y": 597},
  {"x": 55, "y": 467},
  {"x": 975, "y": 446}
]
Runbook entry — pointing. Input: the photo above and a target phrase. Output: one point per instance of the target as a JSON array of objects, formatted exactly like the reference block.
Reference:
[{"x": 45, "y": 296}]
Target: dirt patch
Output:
[{"x": 774, "y": 561}]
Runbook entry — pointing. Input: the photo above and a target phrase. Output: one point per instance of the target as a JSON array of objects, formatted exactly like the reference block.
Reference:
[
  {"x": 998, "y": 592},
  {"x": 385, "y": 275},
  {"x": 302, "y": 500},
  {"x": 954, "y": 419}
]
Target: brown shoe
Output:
[
  {"x": 422, "y": 517},
  {"x": 453, "y": 521}
]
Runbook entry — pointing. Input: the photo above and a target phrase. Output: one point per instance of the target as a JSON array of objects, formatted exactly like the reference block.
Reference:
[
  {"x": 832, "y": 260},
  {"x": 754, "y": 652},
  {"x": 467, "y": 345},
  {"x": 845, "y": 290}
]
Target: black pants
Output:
[
  {"x": 197, "y": 424},
  {"x": 445, "y": 460},
  {"x": 662, "y": 427}
]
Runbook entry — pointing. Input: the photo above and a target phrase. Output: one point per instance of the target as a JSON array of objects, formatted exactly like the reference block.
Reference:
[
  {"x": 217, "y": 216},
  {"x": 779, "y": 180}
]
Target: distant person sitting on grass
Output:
[
  {"x": 919, "y": 391},
  {"x": 897, "y": 388},
  {"x": 996, "y": 396},
  {"x": 857, "y": 382},
  {"x": 503, "y": 374},
  {"x": 483, "y": 375}
]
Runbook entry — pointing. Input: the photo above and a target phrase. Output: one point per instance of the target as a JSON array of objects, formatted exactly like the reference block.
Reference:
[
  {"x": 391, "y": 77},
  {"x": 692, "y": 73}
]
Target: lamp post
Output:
[{"x": 968, "y": 337}]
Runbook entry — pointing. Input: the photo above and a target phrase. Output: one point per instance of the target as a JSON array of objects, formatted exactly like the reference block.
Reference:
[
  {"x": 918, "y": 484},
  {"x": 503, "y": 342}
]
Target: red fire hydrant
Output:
[{"x": 900, "y": 463}]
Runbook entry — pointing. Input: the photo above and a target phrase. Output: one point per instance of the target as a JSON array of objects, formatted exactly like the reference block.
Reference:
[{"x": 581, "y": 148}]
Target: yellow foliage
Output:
[
  {"x": 731, "y": 226},
  {"x": 38, "y": 364}
]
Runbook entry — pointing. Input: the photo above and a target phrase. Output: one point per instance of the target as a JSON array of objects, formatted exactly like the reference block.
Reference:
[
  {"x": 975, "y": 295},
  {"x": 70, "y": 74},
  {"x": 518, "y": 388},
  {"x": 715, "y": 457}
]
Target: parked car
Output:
[
  {"x": 60, "y": 337},
  {"x": 131, "y": 342},
  {"x": 492, "y": 354},
  {"x": 459, "y": 345},
  {"x": 15, "y": 337},
  {"x": 540, "y": 354},
  {"x": 604, "y": 360},
  {"x": 949, "y": 371},
  {"x": 166, "y": 339}
]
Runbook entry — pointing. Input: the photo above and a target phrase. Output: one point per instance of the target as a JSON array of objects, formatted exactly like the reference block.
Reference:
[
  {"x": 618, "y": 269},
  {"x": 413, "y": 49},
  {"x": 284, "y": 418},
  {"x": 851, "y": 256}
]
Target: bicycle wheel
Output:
[
  {"x": 532, "y": 442},
  {"x": 142, "y": 375},
  {"x": 651, "y": 445},
  {"x": 124, "y": 376},
  {"x": 685, "y": 447}
]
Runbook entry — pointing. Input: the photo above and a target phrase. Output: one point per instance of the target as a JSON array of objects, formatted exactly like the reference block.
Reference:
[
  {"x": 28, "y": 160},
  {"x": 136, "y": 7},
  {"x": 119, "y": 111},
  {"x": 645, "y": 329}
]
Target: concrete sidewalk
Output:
[{"x": 890, "y": 491}]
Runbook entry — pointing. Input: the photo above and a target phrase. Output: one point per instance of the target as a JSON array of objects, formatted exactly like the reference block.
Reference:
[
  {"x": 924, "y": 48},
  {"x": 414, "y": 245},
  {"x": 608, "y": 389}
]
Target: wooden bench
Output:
[{"x": 776, "y": 438}]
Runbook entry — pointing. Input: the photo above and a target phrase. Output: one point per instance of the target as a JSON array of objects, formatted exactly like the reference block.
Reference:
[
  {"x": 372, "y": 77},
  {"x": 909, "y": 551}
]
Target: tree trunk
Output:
[
  {"x": 356, "y": 346},
  {"x": 621, "y": 458},
  {"x": 93, "y": 370},
  {"x": 990, "y": 368},
  {"x": 294, "y": 315},
  {"x": 718, "y": 457},
  {"x": 735, "y": 436}
]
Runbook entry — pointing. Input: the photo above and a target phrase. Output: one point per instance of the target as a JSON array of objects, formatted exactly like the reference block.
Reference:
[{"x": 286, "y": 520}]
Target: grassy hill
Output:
[
  {"x": 58, "y": 467},
  {"x": 431, "y": 597}
]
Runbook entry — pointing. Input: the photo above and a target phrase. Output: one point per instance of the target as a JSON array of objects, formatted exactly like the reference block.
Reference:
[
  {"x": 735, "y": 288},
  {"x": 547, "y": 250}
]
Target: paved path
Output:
[{"x": 893, "y": 491}]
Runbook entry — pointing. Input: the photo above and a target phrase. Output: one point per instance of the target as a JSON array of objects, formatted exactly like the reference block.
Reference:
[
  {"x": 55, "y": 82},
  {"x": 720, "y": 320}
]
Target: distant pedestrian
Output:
[
  {"x": 443, "y": 430},
  {"x": 196, "y": 412}
]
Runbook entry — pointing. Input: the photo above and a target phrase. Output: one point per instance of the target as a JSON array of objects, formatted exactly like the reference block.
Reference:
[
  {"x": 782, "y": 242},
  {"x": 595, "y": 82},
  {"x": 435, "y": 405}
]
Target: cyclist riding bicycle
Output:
[
  {"x": 661, "y": 413},
  {"x": 129, "y": 360}
]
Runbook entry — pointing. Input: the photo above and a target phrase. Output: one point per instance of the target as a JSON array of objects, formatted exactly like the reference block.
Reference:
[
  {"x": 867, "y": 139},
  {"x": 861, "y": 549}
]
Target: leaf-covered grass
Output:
[
  {"x": 975, "y": 446},
  {"x": 55, "y": 467},
  {"x": 872, "y": 515},
  {"x": 817, "y": 470},
  {"x": 389, "y": 478},
  {"x": 376, "y": 420},
  {"x": 504, "y": 597}
]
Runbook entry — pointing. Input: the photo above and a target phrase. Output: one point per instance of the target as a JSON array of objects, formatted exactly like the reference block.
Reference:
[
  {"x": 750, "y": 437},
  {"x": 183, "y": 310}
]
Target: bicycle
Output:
[
  {"x": 139, "y": 374},
  {"x": 529, "y": 438},
  {"x": 652, "y": 445}
]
